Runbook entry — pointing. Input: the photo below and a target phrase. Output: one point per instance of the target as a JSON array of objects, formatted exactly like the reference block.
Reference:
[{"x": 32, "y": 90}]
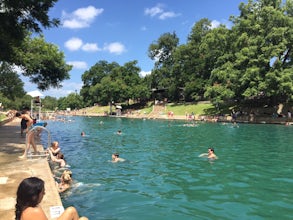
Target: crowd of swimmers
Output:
[{"x": 31, "y": 190}]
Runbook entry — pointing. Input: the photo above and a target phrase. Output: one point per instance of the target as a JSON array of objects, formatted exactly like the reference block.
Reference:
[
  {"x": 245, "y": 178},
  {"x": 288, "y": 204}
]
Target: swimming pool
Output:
[{"x": 163, "y": 177}]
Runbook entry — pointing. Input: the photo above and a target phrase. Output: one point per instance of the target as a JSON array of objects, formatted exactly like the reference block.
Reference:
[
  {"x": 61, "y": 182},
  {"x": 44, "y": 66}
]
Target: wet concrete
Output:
[{"x": 13, "y": 170}]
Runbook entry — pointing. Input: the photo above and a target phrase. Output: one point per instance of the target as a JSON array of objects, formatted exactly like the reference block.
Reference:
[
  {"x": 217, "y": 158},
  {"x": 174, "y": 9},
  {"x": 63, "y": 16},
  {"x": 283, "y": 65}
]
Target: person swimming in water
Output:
[
  {"x": 210, "y": 155},
  {"x": 116, "y": 158}
]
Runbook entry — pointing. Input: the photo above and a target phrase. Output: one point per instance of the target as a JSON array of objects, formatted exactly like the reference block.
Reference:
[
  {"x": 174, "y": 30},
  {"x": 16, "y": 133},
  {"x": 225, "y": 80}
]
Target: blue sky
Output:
[{"x": 122, "y": 30}]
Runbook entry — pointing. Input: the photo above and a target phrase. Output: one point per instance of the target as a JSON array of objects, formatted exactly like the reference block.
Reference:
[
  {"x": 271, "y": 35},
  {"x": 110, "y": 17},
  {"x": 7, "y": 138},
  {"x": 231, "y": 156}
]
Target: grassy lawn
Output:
[
  {"x": 197, "y": 109},
  {"x": 178, "y": 109}
]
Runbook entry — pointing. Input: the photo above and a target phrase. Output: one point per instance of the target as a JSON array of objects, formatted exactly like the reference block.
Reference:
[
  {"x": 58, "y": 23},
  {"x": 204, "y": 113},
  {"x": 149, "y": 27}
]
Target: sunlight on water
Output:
[{"x": 163, "y": 177}]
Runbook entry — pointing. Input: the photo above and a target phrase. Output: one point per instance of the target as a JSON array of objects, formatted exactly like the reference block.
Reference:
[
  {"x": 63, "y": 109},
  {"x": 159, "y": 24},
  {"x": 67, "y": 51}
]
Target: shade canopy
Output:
[{"x": 35, "y": 93}]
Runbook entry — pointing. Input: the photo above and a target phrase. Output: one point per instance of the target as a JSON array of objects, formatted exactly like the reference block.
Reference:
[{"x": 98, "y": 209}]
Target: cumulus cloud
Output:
[
  {"x": 80, "y": 18},
  {"x": 73, "y": 44},
  {"x": 154, "y": 10},
  {"x": 159, "y": 12},
  {"x": 115, "y": 47},
  {"x": 78, "y": 64},
  {"x": 90, "y": 47}
]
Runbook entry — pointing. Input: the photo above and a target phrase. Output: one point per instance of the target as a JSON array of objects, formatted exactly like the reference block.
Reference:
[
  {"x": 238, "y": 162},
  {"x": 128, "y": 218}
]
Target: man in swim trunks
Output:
[{"x": 26, "y": 121}]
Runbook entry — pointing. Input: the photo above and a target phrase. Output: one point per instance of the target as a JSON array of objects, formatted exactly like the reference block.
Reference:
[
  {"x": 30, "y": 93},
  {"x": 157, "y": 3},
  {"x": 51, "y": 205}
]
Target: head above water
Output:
[
  {"x": 211, "y": 149},
  {"x": 55, "y": 144}
]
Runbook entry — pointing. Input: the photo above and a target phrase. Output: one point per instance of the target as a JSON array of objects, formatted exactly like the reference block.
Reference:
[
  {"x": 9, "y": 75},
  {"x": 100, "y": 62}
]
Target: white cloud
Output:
[
  {"x": 73, "y": 44},
  {"x": 81, "y": 17},
  {"x": 144, "y": 73},
  {"x": 168, "y": 14},
  {"x": 90, "y": 47},
  {"x": 154, "y": 10},
  {"x": 215, "y": 24},
  {"x": 78, "y": 64},
  {"x": 115, "y": 47},
  {"x": 160, "y": 12}
]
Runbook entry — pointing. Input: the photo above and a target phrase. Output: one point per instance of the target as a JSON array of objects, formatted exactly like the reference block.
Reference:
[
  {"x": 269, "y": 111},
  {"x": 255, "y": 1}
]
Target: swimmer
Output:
[
  {"x": 65, "y": 181},
  {"x": 82, "y": 133},
  {"x": 119, "y": 132},
  {"x": 116, "y": 158},
  {"x": 210, "y": 155}
]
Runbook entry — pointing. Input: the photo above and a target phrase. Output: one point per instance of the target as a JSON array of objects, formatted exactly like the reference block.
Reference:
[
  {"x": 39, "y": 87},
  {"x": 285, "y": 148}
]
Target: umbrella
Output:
[{"x": 35, "y": 93}]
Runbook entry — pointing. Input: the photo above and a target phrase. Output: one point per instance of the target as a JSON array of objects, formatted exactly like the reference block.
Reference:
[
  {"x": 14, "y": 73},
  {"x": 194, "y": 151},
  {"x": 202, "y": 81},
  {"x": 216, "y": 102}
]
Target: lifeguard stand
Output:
[
  {"x": 36, "y": 106},
  {"x": 36, "y": 103}
]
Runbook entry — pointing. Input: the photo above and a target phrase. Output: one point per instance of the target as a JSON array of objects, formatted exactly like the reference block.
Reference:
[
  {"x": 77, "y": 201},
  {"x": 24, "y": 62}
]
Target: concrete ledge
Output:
[{"x": 13, "y": 170}]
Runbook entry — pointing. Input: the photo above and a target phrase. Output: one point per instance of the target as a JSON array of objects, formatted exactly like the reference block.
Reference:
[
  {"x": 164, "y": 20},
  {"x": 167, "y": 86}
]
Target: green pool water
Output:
[{"x": 163, "y": 177}]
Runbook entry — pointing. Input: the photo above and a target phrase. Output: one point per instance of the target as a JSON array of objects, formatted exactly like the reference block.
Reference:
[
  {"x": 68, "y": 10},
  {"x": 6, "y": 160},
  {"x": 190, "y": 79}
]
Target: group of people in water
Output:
[
  {"x": 61, "y": 173},
  {"x": 31, "y": 190}
]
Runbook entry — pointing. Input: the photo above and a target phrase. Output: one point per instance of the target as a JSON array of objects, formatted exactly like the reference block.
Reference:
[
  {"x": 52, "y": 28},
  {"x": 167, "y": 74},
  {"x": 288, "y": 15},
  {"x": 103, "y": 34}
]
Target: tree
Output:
[
  {"x": 106, "y": 82},
  {"x": 42, "y": 62},
  {"x": 162, "y": 51},
  {"x": 94, "y": 76},
  {"x": 49, "y": 103},
  {"x": 17, "y": 18},
  {"x": 195, "y": 60},
  {"x": 265, "y": 30},
  {"x": 11, "y": 85},
  {"x": 72, "y": 101}
]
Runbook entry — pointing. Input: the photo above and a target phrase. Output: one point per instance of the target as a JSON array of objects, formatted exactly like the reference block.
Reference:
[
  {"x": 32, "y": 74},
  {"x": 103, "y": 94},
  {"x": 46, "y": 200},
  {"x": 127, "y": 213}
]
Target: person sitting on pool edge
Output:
[
  {"x": 29, "y": 194},
  {"x": 116, "y": 158}
]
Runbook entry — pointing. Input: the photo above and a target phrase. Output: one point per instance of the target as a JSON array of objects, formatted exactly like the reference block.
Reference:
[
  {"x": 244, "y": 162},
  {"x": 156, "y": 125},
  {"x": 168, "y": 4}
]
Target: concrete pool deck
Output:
[{"x": 13, "y": 170}]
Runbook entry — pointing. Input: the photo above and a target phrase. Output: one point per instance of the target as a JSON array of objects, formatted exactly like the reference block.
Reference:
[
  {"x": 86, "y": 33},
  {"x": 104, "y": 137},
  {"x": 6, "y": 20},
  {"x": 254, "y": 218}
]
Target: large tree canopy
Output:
[
  {"x": 11, "y": 85},
  {"x": 42, "y": 62},
  {"x": 17, "y": 18},
  {"x": 251, "y": 59},
  {"x": 106, "y": 82}
]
